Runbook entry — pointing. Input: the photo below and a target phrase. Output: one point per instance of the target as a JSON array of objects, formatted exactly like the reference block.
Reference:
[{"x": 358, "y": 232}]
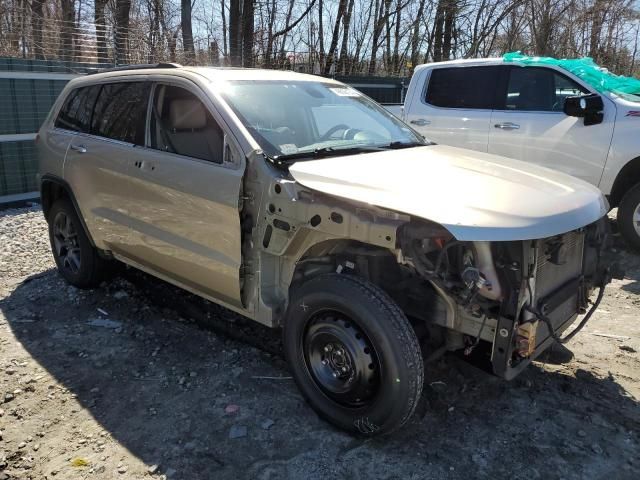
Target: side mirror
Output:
[{"x": 588, "y": 106}]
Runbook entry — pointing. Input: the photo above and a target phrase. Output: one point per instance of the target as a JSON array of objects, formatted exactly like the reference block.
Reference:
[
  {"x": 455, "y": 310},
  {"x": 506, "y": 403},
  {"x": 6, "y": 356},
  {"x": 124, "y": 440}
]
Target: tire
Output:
[
  {"x": 629, "y": 217},
  {"x": 77, "y": 260},
  {"x": 337, "y": 322}
]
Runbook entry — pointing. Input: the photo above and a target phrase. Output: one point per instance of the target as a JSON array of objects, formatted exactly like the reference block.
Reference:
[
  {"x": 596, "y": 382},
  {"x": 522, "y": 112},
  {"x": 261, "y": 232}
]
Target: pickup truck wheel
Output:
[
  {"x": 77, "y": 260},
  {"x": 353, "y": 354},
  {"x": 629, "y": 217}
]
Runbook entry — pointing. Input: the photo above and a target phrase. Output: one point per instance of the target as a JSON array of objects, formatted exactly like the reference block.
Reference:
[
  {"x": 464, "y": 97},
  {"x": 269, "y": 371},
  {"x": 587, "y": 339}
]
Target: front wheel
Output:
[
  {"x": 353, "y": 354},
  {"x": 629, "y": 217}
]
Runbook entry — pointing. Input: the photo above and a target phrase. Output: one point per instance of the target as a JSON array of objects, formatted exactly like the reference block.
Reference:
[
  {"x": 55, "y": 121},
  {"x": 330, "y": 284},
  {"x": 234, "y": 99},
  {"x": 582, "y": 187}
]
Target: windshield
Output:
[{"x": 293, "y": 117}]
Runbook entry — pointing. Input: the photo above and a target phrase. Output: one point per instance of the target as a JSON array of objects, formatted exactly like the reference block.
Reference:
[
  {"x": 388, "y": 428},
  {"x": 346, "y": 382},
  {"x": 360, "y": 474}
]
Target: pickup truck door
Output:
[
  {"x": 454, "y": 105},
  {"x": 530, "y": 125},
  {"x": 185, "y": 202}
]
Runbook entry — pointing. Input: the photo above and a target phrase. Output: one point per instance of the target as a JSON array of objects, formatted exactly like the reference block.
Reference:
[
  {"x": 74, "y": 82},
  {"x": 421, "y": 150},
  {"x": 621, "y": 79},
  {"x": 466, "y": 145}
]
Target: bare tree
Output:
[
  {"x": 37, "y": 26},
  {"x": 123, "y": 8},
  {"x": 101, "y": 30},
  {"x": 235, "y": 32},
  {"x": 68, "y": 13},
  {"x": 187, "y": 31}
]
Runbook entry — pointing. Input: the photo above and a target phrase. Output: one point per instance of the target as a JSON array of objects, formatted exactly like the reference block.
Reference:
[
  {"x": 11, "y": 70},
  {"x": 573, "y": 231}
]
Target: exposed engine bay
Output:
[{"x": 517, "y": 295}]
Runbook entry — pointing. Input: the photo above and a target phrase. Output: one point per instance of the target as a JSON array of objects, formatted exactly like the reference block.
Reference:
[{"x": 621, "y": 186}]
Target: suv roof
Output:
[{"x": 209, "y": 73}]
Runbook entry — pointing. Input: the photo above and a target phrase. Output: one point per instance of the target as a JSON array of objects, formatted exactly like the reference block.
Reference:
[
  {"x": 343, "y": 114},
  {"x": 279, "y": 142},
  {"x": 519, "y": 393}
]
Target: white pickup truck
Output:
[{"x": 523, "y": 112}]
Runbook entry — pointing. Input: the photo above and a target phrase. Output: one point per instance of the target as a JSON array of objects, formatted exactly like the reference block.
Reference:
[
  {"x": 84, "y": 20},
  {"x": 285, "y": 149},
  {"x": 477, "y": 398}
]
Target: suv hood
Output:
[{"x": 476, "y": 196}]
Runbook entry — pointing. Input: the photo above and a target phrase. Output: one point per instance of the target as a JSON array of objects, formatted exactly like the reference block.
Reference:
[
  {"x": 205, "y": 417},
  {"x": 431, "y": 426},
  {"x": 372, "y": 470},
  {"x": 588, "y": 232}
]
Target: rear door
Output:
[
  {"x": 107, "y": 121},
  {"x": 185, "y": 200},
  {"x": 455, "y": 106},
  {"x": 529, "y": 124}
]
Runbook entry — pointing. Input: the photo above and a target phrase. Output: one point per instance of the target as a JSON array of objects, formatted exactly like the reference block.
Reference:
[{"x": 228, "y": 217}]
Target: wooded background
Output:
[{"x": 341, "y": 37}]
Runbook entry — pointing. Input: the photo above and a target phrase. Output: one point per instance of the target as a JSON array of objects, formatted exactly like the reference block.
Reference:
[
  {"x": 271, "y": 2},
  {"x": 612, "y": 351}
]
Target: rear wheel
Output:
[
  {"x": 629, "y": 217},
  {"x": 353, "y": 354},
  {"x": 77, "y": 260}
]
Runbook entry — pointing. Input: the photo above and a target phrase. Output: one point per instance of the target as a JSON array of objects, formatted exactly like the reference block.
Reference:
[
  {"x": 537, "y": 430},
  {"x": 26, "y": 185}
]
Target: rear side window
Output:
[
  {"x": 120, "y": 112},
  {"x": 76, "y": 111},
  {"x": 463, "y": 87},
  {"x": 535, "y": 89},
  {"x": 181, "y": 124}
]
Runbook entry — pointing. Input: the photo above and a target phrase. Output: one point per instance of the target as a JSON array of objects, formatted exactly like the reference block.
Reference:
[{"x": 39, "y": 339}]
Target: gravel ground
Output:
[{"x": 137, "y": 379}]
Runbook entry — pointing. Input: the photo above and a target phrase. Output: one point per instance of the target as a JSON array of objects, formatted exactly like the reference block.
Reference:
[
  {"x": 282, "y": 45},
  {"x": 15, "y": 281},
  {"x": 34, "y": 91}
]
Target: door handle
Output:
[
  {"x": 507, "y": 126},
  {"x": 79, "y": 148},
  {"x": 421, "y": 122},
  {"x": 141, "y": 164}
]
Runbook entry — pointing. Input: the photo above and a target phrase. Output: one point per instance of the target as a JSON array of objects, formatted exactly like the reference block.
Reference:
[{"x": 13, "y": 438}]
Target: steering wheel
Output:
[
  {"x": 350, "y": 133},
  {"x": 333, "y": 130}
]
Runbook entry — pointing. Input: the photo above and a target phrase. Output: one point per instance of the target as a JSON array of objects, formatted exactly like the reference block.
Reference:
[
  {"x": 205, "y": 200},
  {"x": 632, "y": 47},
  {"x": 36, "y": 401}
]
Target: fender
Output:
[
  {"x": 628, "y": 176},
  {"x": 46, "y": 183}
]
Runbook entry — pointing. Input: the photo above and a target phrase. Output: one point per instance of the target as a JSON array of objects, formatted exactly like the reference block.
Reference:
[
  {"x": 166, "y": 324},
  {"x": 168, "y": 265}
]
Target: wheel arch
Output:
[
  {"x": 627, "y": 177},
  {"x": 332, "y": 255},
  {"x": 52, "y": 189}
]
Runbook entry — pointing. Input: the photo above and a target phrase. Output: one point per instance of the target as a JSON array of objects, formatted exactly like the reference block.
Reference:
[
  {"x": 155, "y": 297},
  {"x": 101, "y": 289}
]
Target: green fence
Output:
[{"x": 28, "y": 89}]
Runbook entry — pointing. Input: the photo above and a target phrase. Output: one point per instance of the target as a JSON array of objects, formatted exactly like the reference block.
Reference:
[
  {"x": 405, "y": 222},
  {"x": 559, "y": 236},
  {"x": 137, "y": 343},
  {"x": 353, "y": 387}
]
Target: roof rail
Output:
[{"x": 136, "y": 67}]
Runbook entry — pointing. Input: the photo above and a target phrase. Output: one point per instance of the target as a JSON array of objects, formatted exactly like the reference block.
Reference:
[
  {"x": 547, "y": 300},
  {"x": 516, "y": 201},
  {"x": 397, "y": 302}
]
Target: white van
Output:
[{"x": 522, "y": 112}]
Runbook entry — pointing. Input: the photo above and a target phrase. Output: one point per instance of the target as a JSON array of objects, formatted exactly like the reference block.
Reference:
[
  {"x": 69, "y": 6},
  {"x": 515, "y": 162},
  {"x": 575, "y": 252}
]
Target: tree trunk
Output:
[
  {"x": 187, "y": 33},
  {"x": 101, "y": 31},
  {"x": 379, "y": 21},
  {"x": 346, "y": 24},
  {"x": 65, "y": 47},
  {"x": 597, "y": 19},
  {"x": 235, "y": 32},
  {"x": 415, "y": 36},
  {"x": 330, "y": 58},
  {"x": 123, "y": 7},
  {"x": 247, "y": 33},
  {"x": 224, "y": 29},
  {"x": 37, "y": 24},
  {"x": 321, "y": 57},
  {"x": 449, "y": 23},
  {"x": 396, "y": 39},
  {"x": 268, "y": 52}
]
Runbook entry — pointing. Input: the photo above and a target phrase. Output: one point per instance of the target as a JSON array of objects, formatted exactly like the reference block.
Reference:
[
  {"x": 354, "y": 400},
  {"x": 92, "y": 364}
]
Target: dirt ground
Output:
[{"x": 137, "y": 379}]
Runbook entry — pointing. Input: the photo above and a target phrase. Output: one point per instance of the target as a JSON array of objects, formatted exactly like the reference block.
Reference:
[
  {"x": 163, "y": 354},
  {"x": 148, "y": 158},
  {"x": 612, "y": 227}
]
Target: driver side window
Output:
[
  {"x": 181, "y": 124},
  {"x": 538, "y": 89}
]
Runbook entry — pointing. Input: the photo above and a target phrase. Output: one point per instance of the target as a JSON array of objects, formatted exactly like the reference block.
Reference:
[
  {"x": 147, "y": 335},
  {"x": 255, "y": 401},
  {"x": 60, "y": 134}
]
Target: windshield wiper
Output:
[
  {"x": 397, "y": 145},
  {"x": 325, "y": 152}
]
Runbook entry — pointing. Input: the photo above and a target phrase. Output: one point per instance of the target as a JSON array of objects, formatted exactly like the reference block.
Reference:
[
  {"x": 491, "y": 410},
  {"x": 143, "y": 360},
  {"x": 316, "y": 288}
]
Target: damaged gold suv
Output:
[{"x": 300, "y": 203}]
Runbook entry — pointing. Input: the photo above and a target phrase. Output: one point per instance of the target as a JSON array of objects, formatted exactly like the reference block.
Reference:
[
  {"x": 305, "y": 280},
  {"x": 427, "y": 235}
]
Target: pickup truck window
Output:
[
  {"x": 539, "y": 90},
  {"x": 293, "y": 117},
  {"x": 463, "y": 87}
]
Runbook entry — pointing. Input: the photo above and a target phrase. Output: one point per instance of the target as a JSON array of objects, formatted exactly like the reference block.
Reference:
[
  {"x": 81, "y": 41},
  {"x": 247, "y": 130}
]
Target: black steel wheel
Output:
[
  {"x": 341, "y": 359},
  {"x": 353, "y": 354},
  {"x": 77, "y": 259}
]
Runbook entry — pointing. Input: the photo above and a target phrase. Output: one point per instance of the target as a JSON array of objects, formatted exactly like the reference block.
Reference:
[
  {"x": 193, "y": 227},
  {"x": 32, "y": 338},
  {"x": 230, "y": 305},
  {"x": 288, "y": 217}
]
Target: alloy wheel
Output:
[{"x": 65, "y": 242}]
